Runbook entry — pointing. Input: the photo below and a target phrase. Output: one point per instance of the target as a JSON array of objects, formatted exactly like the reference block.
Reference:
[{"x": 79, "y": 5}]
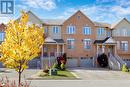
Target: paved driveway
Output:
[{"x": 100, "y": 74}]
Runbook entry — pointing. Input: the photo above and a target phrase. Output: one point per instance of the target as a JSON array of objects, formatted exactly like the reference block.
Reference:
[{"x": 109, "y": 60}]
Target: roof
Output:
[
  {"x": 116, "y": 23},
  {"x": 101, "y": 41},
  {"x": 107, "y": 40},
  {"x": 53, "y": 21},
  {"x": 101, "y": 24},
  {"x": 59, "y": 40},
  {"x": 50, "y": 40}
]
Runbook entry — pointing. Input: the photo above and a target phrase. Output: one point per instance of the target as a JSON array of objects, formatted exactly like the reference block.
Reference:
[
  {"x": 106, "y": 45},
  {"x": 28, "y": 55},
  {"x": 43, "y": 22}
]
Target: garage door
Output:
[{"x": 86, "y": 62}]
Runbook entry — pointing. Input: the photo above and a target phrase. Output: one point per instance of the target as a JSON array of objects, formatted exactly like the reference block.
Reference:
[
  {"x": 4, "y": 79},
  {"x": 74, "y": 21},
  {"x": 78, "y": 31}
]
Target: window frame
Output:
[
  {"x": 70, "y": 29},
  {"x": 55, "y": 29},
  {"x": 70, "y": 43},
  {"x": 87, "y": 30},
  {"x": 2, "y": 36},
  {"x": 87, "y": 43},
  {"x": 124, "y": 46}
]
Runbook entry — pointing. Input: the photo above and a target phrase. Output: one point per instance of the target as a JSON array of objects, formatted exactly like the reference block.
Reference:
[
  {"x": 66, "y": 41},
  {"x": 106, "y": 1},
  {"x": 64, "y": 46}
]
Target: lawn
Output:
[{"x": 60, "y": 75}]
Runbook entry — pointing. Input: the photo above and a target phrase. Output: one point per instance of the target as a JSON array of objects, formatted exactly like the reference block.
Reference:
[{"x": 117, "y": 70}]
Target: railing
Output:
[
  {"x": 120, "y": 60},
  {"x": 114, "y": 63}
]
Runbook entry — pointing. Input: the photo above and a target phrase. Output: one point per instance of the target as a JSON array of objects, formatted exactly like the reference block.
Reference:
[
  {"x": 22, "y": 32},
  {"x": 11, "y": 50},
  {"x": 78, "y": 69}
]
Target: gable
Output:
[
  {"x": 79, "y": 19},
  {"x": 33, "y": 19},
  {"x": 124, "y": 23}
]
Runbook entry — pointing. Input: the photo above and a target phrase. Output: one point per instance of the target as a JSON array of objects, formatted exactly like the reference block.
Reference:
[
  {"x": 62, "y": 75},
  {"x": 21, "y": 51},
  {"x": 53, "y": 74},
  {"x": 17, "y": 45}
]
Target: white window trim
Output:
[
  {"x": 55, "y": 29},
  {"x": 71, "y": 39},
  {"x": 86, "y": 30},
  {"x": 85, "y": 43},
  {"x": 70, "y": 29}
]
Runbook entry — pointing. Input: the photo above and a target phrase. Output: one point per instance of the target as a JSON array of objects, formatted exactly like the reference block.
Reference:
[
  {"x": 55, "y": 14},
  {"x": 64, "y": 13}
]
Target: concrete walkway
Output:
[{"x": 100, "y": 74}]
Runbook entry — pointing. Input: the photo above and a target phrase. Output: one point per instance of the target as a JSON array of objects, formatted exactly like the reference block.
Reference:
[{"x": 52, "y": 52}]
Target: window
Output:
[
  {"x": 108, "y": 34},
  {"x": 70, "y": 43},
  {"x": 124, "y": 31},
  {"x": 55, "y": 29},
  {"x": 86, "y": 30},
  {"x": 70, "y": 29},
  {"x": 78, "y": 17},
  {"x": 124, "y": 45},
  {"x": 87, "y": 43},
  {"x": 101, "y": 31},
  {"x": 45, "y": 30},
  {"x": 2, "y": 35}
]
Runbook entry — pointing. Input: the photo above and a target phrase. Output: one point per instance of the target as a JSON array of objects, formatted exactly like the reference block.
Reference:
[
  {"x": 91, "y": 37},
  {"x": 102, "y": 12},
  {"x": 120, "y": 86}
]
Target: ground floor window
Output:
[
  {"x": 124, "y": 45},
  {"x": 87, "y": 43},
  {"x": 70, "y": 43}
]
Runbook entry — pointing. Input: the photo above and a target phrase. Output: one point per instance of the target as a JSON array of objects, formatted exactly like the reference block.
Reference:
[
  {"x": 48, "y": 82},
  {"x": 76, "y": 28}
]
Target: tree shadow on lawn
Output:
[{"x": 61, "y": 75}]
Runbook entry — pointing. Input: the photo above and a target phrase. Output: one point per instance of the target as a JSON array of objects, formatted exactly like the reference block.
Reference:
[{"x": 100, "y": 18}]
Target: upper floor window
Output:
[
  {"x": 2, "y": 35},
  {"x": 108, "y": 34},
  {"x": 70, "y": 43},
  {"x": 86, "y": 30},
  {"x": 45, "y": 30},
  {"x": 55, "y": 29},
  {"x": 87, "y": 43},
  {"x": 124, "y": 45},
  {"x": 101, "y": 31},
  {"x": 70, "y": 29},
  {"x": 124, "y": 32}
]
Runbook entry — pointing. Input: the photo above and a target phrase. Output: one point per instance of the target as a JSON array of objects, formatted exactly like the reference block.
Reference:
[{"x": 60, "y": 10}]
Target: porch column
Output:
[
  {"x": 97, "y": 49},
  {"x": 57, "y": 52},
  {"x": 103, "y": 49},
  {"x": 63, "y": 48},
  {"x": 115, "y": 50},
  {"x": 42, "y": 57}
]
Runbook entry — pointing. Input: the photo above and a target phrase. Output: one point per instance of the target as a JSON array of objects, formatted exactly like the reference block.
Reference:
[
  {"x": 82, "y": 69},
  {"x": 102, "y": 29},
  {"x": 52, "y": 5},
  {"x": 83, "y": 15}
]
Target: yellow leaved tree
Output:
[{"x": 22, "y": 43}]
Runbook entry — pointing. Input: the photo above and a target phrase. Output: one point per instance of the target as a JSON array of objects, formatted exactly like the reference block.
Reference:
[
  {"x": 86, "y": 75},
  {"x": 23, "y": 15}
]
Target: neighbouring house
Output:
[
  {"x": 83, "y": 40},
  {"x": 2, "y": 35}
]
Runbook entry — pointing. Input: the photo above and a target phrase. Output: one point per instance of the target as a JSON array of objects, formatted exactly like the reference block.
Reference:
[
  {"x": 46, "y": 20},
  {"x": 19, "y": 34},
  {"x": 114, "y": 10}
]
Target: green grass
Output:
[{"x": 60, "y": 75}]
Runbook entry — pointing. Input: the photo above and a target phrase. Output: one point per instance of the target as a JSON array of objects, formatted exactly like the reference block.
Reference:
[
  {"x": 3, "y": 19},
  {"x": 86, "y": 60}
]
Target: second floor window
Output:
[
  {"x": 70, "y": 29},
  {"x": 86, "y": 30},
  {"x": 87, "y": 43},
  {"x": 101, "y": 31},
  {"x": 2, "y": 35},
  {"x": 70, "y": 43},
  {"x": 124, "y": 45},
  {"x": 45, "y": 30},
  {"x": 55, "y": 29}
]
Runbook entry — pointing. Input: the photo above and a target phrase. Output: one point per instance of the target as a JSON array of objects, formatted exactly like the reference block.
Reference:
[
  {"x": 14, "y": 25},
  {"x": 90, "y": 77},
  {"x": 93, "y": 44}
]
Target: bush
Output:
[
  {"x": 103, "y": 60},
  {"x": 124, "y": 68},
  {"x": 62, "y": 66},
  {"x": 56, "y": 66}
]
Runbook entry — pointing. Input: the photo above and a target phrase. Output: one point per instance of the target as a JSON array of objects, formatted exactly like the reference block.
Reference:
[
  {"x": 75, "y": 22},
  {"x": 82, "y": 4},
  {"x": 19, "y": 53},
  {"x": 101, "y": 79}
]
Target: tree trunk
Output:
[{"x": 19, "y": 83}]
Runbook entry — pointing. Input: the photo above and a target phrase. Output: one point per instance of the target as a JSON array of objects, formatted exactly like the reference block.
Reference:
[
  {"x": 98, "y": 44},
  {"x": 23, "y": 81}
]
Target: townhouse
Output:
[{"x": 82, "y": 39}]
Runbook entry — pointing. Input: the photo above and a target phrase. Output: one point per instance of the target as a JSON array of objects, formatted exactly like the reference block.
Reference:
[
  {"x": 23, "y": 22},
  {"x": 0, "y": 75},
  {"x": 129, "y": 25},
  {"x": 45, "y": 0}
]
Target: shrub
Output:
[
  {"x": 124, "y": 68},
  {"x": 62, "y": 66},
  {"x": 103, "y": 60},
  {"x": 56, "y": 66}
]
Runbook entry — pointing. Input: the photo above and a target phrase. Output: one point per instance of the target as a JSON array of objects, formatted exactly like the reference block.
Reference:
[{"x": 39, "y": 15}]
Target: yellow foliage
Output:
[{"x": 21, "y": 44}]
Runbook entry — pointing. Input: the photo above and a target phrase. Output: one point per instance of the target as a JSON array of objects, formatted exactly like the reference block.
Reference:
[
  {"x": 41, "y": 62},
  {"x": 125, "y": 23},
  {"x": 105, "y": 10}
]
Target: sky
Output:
[{"x": 108, "y": 11}]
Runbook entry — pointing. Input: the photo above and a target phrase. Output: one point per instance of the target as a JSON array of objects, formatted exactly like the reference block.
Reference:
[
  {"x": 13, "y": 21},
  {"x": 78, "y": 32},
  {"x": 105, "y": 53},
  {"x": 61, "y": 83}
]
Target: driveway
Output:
[
  {"x": 90, "y": 78},
  {"x": 100, "y": 74}
]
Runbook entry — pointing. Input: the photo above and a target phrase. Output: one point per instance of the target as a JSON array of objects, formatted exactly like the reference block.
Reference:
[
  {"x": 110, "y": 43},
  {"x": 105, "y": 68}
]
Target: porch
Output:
[
  {"x": 52, "y": 49},
  {"x": 107, "y": 47}
]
